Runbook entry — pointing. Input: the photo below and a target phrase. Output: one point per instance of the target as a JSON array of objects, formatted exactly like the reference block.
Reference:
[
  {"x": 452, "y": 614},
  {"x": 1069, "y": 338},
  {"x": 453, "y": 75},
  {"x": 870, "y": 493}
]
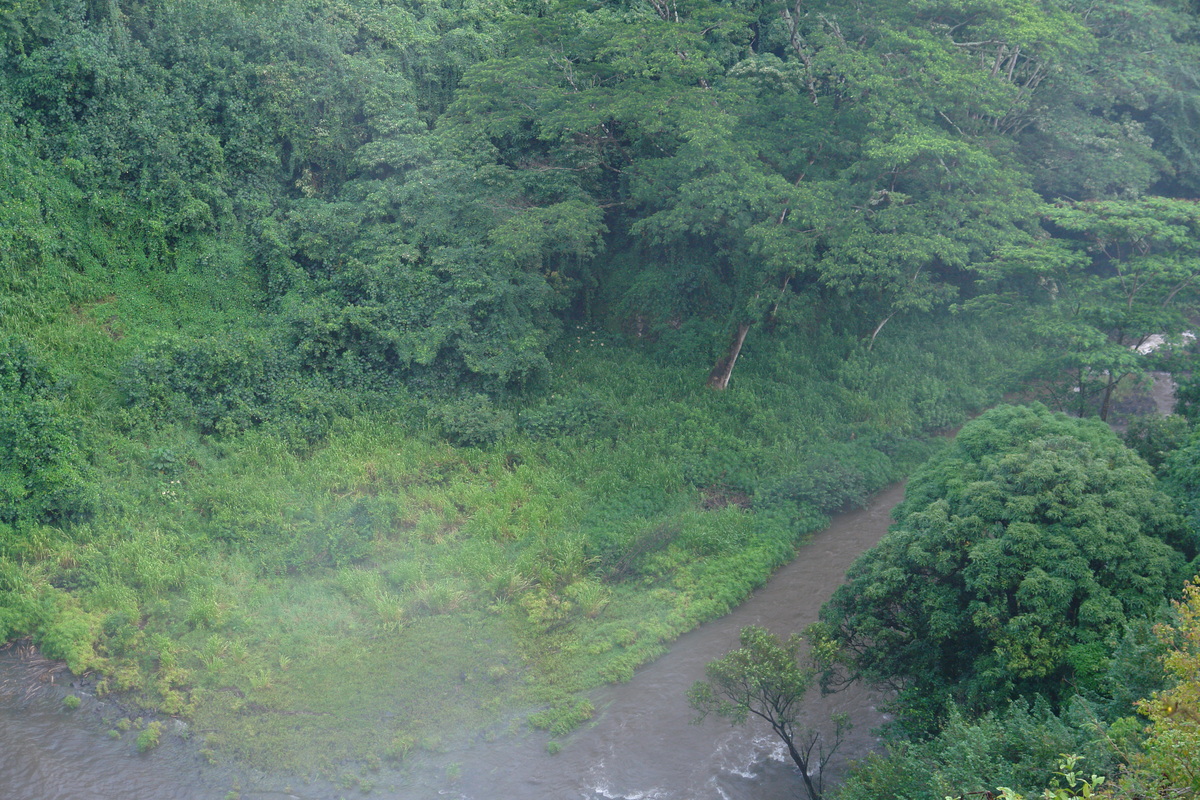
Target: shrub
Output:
[
  {"x": 1019, "y": 748},
  {"x": 43, "y": 469},
  {"x": 218, "y": 385},
  {"x": 473, "y": 420},
  {"x": 562, "y": 719},
  {"x": 68, "y": 634},
  {"x": 572, "y": 414},
  {"x": 149, "y": 738},
  {"x": 845, "y": 477}
]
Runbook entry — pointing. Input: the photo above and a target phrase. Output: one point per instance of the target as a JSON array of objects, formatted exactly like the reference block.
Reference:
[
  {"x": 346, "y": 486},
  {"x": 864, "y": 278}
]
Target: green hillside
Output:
[{"x": 375, "y": 371}]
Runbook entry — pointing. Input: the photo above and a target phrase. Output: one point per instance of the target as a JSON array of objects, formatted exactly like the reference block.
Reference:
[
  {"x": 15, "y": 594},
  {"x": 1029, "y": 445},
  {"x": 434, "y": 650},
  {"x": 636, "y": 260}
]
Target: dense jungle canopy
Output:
[
  {"x": 427, "y": 191},
  {"x": 512, "y": 339}
]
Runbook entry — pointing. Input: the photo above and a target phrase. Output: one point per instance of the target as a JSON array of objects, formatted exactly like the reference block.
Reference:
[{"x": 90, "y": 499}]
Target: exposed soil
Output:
[{"x": 1154, "y": 393}]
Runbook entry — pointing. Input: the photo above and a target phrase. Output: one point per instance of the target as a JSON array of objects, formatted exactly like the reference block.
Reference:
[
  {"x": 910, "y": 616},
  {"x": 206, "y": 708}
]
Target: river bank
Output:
[
  {"x": 642, "y": 746},
  {"x": 640, "y": 743}
]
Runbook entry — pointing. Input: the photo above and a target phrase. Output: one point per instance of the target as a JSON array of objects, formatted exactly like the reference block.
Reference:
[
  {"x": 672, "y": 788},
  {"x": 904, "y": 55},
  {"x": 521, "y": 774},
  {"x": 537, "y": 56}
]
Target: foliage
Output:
[
  {"x": 473, "y": 420},
  {"x": 1169, "y": 764},
  {"x": 1187, "y": 395},
  {"x": 765, "y": 677},
  {"x": 1072, "y": 783},
  {"x": 842, "y": 479},
  {"x": 214, "y": 384},
  {"x": 569, "y": 415},
  {"x": 43, "y": 468},
  {"x": 560, "y": 721},
  {"x": 1155, "y": 438},
  {"x": 1122, "y": 272},
  {"x": 1036, "y": 538},
  {"x": 149, "y": 737},
  {"x": 1180, "y": 359},
  {"x": 1181, "y": 478},
  {"x": 260, "y": 263},
  {"x": 1019, "y": 747}
]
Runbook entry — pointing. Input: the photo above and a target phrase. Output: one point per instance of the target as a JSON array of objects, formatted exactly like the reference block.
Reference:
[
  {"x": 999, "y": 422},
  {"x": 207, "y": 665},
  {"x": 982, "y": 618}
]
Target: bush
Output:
[
  {"x": 561, "y": 720},
  {"x": 68, "y": 633},
  {"x": 1019, "y": 748},
  {"x": 43, "y": 469},
  {"x": 231, "y": 385},
  {"x": 473, "y": 420},
  {"x": 149, "y": 738},
  {"x": 844, "y": 478},
  {"x": 218, "y": 385},
  {"x": 19, "y": 613},
  {"x": 576, "y": 413}
]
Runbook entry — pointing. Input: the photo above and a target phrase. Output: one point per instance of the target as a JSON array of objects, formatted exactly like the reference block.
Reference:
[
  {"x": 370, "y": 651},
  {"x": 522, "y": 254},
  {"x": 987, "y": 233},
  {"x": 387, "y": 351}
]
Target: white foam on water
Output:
[
  {"x": 734, "y": 758},
  {"x": 602, "y": 788},
  {"x": 609, "y": 793},
  {"x": 778, "y": 751}
]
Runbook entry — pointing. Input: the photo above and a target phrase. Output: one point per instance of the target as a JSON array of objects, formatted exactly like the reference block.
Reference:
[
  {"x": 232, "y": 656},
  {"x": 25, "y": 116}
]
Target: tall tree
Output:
[{"x": 1123, "y": 271}]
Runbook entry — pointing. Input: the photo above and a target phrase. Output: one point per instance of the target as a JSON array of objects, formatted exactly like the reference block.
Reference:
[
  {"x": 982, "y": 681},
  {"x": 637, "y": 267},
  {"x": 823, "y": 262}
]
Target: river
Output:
[{"x": 639, "y": 747}]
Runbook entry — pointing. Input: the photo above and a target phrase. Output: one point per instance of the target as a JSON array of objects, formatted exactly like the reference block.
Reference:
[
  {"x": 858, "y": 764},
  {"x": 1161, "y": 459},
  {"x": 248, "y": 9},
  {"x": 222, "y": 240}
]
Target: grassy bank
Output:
[{"x": 316, "y": 576}]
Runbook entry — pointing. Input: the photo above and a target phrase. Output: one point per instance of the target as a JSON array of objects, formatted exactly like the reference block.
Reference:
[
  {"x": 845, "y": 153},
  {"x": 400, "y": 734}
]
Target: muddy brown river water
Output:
[{"x": 640, "y": 746}]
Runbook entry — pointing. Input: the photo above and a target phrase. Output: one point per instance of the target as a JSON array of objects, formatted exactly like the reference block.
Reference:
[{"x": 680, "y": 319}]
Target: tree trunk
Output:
[
  {"x": 719, "y": 377},
  {"x": 878, "y": 328},
  {"x": 803, "y": 763},
  {"x": 1106, "y": 405}
]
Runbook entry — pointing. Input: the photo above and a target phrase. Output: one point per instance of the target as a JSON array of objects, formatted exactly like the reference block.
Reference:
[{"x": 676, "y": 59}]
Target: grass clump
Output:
[{"x": 150, "y": 737}]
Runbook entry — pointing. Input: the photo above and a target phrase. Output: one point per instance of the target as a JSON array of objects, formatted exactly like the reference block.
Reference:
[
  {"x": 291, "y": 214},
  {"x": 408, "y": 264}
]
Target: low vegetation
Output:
[{"x": 274, "y": 589}]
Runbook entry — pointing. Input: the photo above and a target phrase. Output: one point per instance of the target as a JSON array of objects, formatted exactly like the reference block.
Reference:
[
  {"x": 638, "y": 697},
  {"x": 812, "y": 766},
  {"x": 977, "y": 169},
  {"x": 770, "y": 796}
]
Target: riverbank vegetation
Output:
[
  {"x": 1019, "y": 610},
  {"x": 376, "y": 377},
  {"x": 1023, "y": 613}
]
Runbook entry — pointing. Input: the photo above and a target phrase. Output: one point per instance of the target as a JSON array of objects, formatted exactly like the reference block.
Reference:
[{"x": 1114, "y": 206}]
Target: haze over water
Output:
[{"x": 640, "y": 746}]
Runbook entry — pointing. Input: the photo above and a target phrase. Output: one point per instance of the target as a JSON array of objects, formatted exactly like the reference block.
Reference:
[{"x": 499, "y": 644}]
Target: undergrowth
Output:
[{"x": 316, "y": 570}]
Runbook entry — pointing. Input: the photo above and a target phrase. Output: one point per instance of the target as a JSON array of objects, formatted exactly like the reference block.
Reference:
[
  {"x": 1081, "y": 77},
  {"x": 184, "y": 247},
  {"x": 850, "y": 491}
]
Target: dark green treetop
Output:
[{"x": 1016, "y": 557}]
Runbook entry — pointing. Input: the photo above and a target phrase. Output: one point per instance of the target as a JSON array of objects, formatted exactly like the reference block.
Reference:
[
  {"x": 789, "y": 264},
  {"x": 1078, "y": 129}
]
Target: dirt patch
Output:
[{"x": 719, "y": 496}]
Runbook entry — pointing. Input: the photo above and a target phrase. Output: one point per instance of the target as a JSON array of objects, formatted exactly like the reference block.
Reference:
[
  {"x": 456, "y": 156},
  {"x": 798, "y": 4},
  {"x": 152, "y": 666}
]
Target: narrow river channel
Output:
[{"x": 640, "y": 747}]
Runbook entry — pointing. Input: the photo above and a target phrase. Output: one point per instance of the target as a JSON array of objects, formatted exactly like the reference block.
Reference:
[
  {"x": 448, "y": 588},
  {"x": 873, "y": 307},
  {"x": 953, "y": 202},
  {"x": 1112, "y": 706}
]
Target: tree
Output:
[
  {"x": 1017, "y": 747},
  {"x": 1169, "y": 767},
  {"x": 1140, "y": 278},
  {"x": 1017, "y": 556},
  {"x": 765, "y": 678},
  {"x": 1181, "y": 479},
  {"x": 1104, "y": 113},
  {"x": 755, "y": 161}
]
